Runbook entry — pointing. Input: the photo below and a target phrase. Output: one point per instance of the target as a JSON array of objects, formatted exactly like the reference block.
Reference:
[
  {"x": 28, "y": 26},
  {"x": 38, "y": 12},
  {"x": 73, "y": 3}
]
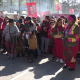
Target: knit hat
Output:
[
  {"x": 28, "y": 18},
  {"x": 20, "y": 20},
  {"x": 10, "y": 20}
]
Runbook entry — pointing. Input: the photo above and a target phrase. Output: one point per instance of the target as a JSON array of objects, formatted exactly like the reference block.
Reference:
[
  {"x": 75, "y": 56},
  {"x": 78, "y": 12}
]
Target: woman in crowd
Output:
[
  {"x": 52, "y": 23},
  {"x": 29, "y": 28},
  {"x": 57, "y": 33},
  {"x": 65, "y": 22},
  {"x": 5, "y": 22},
  {"x": 71, "y": 43},
  {"x": 22, "y": 17},
  {"x": 35, "y": 22},
  {"x": 45, "y": 40},
  {"x": 1, "y": 21},
  {"x": 10, "y": 32},
  {"x": 19, "y": 49},
  {"x": 38, "y": 35}
]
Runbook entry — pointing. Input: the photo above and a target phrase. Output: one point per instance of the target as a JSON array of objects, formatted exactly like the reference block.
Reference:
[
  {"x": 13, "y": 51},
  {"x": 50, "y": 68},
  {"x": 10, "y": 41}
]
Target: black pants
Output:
[
  {"x": 0, "y": 38},
  {"x": 51, "y": 50},
  {"x": 26, "y": 46},
  {"x": 39, "y": 40},
  {"x": 34, "y": 52},
  {"x": 4, "y": 44},
  {"x": 29, "y": 52}
]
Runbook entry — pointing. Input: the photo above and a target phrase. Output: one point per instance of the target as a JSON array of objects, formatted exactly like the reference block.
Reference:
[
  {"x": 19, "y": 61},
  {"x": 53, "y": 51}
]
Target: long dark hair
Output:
[
  {"x": 66, "y": 20},
  {"x": 31, "y": 24},
  {"x": 56, "y": 25}
]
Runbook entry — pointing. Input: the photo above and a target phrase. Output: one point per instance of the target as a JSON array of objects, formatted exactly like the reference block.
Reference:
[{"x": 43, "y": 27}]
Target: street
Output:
[{"x": 43, "y": 68}]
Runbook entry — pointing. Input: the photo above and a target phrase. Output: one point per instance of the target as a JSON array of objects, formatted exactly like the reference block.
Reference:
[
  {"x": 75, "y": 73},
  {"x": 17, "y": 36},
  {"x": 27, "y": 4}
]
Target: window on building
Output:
[
  {"x": 33, "y": 0},
  {"x": 0, "y": 3},
  {"x": 14, "y": 2},
  {"x": 23, "y": 2},
  {"x": 4, "y": 2}
]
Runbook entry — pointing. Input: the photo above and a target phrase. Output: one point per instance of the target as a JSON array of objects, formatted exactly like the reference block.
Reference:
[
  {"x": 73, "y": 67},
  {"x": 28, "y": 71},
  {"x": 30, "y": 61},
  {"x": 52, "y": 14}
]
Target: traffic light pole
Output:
[
  {"x": 19, "y": 8},
  {"x": 58, "y": 6}
]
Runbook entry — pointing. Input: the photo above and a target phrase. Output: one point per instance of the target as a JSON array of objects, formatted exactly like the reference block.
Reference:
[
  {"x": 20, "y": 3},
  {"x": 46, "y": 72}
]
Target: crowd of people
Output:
[{"x": 31, "y": 36}]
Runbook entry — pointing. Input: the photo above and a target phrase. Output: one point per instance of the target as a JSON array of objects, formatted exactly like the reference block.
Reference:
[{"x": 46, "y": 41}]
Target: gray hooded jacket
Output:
[{"x": 13, "y": 30}]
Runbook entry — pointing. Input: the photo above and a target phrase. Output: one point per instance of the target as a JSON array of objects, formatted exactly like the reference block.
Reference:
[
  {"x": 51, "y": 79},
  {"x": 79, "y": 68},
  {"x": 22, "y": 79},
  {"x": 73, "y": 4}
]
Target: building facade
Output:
[{"x": 12, "y": 6}]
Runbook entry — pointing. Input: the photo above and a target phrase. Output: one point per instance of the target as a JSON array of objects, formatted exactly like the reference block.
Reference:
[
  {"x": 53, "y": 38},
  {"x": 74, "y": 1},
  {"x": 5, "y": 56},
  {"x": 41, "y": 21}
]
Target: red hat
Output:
[{"x": 61, "y": 16}]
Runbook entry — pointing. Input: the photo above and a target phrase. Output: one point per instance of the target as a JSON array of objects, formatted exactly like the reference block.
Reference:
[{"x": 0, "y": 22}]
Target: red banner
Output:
[
  {"x": 42, "y": 14},
  {"x": 71, "y": 11},
  {"x": 31, "y": 9},
  {"x": 58, "y": 5}
]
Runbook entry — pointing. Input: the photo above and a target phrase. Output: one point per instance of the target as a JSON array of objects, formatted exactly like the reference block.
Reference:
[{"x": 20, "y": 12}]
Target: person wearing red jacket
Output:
[
  {"x": 45, "y": 40},
  {"x": 3, "y": 38},
  {"x": 49, "y": 31},
  {"x": 50, "y": 37},
  {"x": 71, "y": 43},
  {"x": 1, "y": 21},
  {"x": 5, "y": 22}
]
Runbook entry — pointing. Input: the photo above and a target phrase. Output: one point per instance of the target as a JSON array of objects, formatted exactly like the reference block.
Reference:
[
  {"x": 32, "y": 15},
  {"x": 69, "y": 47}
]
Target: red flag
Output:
[
  {"x": 70, "y": 11},
  {"x": 58, "y": 6},
  {"x": 73, "y": 11},
  {"x": 31, "y": 9}
]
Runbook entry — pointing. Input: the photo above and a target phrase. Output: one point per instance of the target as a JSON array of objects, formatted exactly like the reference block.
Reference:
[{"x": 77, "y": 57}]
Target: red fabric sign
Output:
[
  {"x": 60, "y": 7},
  {"x": 31, "y": 9},
  {"x": 56, "y": 7},
  {"x": 71, "y": 11},
  {"x": 42, "y": 14}
]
